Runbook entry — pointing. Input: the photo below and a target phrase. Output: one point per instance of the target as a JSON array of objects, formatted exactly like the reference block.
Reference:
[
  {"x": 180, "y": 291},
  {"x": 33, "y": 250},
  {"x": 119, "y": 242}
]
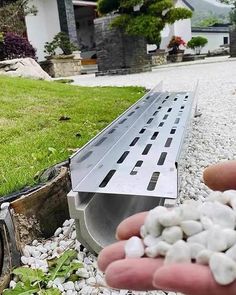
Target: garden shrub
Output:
[{"x": 15, "y": 46}]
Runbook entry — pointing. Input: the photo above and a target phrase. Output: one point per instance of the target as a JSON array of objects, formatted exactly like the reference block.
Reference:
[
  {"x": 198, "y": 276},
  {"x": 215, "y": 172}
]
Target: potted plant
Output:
[
  {"x": 197, "y": 43},
  {"x": 61, "y": 64},
  {"x": 60, "y": 41},
  {"x": 175, "y": 45}
]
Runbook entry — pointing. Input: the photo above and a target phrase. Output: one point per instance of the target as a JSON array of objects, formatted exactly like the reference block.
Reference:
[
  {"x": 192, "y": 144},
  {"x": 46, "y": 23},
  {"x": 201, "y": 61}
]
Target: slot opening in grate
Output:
[
  {"x": 168, "y": 142},
  {"x": 134, "y": 171},
  {"x": 101, "y": 141},
  {"x": 147, "y": 149},
  {"x": 130, "y": 114},
  {"x": 85, "y": 156},
  {"x": 165, "y": 117},
  {"x": 177, "y": 120},
  {"x": 112, "y": 130},
  {"x": 123, "y": 157},
  {"x": 142, "y": 131},
  {"x": 162, "y": 159},
  {"x": 154, "y": 136},
  {"x": 150, "y": 121},
  {"x": 122, "y": 121},
  {"x": 133, "y": 143},
  {"x": 107, "y": 178},
  {"x": 153, "y": 181}
]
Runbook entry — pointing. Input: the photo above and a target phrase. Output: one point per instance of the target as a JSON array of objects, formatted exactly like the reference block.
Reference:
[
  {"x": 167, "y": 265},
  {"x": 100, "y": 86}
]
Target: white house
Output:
[
  {"x": 217, "y": 36},
  {"x": 76, "y": 18},
  {"x": 180, "y": 28}
]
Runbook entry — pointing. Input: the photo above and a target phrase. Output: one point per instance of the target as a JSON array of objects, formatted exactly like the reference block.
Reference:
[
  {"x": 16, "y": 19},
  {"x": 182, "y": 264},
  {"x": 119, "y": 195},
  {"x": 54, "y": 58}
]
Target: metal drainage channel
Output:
[{"x": 131, "y": 166}]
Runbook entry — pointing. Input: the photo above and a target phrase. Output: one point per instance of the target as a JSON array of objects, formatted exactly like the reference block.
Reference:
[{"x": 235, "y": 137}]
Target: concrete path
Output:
[{"x": 181, "y": 76}]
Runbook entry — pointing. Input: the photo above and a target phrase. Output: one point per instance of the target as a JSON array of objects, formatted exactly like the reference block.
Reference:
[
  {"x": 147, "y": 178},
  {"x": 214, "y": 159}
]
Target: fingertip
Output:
[
  {"x": 130, "y": 226},
  {"x": 221, "y": 176},
  {"x": 132, "y": 274},
  {"x": 110, "y": 254}
]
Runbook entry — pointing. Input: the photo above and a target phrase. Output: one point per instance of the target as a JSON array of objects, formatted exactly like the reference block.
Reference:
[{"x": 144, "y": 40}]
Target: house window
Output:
[{"x": 226, "y": 40}]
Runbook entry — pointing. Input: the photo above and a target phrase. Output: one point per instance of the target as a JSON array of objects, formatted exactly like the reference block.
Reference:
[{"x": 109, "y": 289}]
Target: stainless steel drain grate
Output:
[{"x": 137, "y": 155}]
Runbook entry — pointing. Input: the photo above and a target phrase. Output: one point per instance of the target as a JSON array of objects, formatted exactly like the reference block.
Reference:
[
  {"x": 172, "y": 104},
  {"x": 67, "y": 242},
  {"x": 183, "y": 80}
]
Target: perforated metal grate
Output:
[{"x": 138, "y": 153}]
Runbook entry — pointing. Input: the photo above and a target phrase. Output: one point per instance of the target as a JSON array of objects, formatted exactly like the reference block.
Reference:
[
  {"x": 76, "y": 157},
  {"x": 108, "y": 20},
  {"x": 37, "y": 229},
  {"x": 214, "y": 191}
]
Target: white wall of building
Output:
[
  {"x": 44, "y": 26},
  {"x": 215, "y": 40},
  {"x": 180, "y": 28}
]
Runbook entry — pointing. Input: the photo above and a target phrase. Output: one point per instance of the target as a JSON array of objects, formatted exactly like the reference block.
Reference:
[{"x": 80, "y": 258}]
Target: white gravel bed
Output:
[{"x": 213, "y": 139}]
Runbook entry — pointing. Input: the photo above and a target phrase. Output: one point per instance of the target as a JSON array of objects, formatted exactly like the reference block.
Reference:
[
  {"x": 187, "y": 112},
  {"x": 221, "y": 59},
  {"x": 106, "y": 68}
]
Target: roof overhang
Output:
[
  {"x": 84, "y": 3},
  {"x": 188, "y": 5}
]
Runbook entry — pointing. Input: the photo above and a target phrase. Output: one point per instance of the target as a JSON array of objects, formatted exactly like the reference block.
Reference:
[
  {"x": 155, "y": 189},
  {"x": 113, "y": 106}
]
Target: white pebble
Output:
[
  {"x": 35, "y": 253},
  {"x": 217, "y": 239},
  {"x": 69, "y": 286},
  {"x": 59, "y": 281},
  {"x": 150, "y": 240},
  {"x": 12, "y": 284},
  {"x": 200, "y": 238},
  {"x": 134, "y": 248},
  {"x": 172, "y": 234},
  {"x": 58, "y": 231},
  {"x": 60, "y": 287},
  {"x": 223, "y": 268},
  {"x": 170, "y": 218},
  {"x": 41, "y": 249},
  {"x": 26, "y": 251},
  {"x": 204, "y": 256},
  {"x": 190, "y": 210},
  {"x": 35, "y": 243},
  {"x": 195, "y": 249},
  {"x": 91, "y": 281},
  {"x": 43, "y": 256},
  {"x": 219, "y": 197},
  {"x": 178, "y": 253},
  {"x": 206, "y": 222},
  {"x": 24, "y": 260},
  {"x": 231, "y": 253},
  {"x": 191, "y": 227},
  {"x": 82, "y": 273},
  {"x": 143, "y": 231},
  {"x": 73, "y": 235},
  {"x": 160, "y": 249},
  {"x": 220, "y": 214},
  {"x": 151, "y": 222}
]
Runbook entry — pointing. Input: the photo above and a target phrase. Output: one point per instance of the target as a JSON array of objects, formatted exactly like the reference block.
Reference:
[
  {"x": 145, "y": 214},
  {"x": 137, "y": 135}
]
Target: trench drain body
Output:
[{"x": 131, "y": 166}]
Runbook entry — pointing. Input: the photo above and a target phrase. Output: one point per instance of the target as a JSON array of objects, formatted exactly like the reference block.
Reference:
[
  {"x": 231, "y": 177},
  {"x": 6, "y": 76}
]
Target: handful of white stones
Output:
[{"x": 196, "y": 232}]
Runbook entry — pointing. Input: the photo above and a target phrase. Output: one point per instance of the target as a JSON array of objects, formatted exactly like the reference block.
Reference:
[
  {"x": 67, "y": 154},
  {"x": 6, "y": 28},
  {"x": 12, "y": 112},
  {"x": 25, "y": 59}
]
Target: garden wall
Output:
[
  {"x": 232, "y": 35},
  {"x": 118, "y": 53}
]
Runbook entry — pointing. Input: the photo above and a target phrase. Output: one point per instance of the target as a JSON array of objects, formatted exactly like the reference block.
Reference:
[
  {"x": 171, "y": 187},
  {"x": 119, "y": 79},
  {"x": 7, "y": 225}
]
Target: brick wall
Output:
[{"x": 118, "y": 53}]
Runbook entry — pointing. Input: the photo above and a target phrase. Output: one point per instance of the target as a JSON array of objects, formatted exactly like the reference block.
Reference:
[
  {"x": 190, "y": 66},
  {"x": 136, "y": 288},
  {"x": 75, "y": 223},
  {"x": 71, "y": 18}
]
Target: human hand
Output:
[{"x": 151, "y": 274}]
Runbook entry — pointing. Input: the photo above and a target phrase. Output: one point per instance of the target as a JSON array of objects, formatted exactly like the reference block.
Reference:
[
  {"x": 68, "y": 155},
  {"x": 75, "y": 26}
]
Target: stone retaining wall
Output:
[
  {"x": 118, "y": 53},
  {"x": 159, "y": 58}
]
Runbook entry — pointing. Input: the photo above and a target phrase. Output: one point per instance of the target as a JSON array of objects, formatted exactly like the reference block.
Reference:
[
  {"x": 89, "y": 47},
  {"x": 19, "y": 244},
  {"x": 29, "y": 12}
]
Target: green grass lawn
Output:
[{"x": 33, "y": 138}]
